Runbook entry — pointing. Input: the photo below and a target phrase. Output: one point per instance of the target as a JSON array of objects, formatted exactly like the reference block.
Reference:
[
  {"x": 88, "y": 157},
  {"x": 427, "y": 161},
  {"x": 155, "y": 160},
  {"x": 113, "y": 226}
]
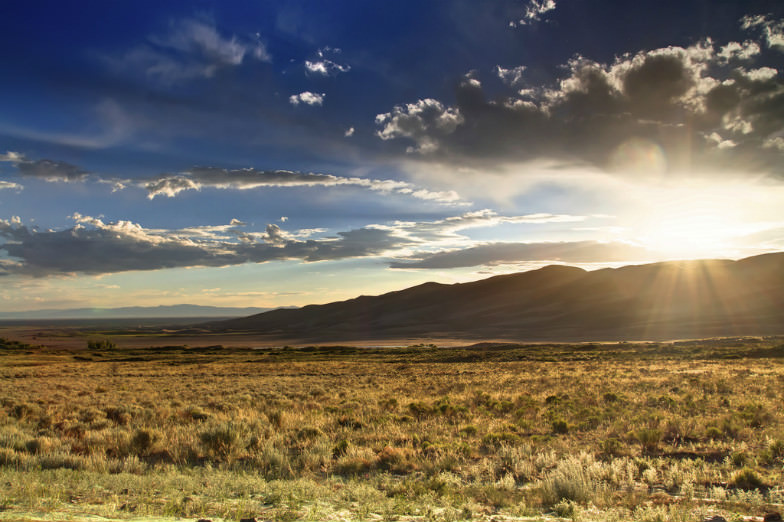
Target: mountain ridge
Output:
[
  {"x": 671, "y": 299},
  {"x": 131, "y": 312}
]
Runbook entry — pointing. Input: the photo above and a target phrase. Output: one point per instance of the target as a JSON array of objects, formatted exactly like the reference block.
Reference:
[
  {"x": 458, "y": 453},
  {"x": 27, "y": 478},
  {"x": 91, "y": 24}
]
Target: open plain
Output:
[{"x": 617, "y": 431}]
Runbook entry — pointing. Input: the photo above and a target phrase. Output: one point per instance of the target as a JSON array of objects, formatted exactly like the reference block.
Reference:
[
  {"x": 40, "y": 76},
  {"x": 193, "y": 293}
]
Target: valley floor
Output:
[{"x": 644, "y": 432}]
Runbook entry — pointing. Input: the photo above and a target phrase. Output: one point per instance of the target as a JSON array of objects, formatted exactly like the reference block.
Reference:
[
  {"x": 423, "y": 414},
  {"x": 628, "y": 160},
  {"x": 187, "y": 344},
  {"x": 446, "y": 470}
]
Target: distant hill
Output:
[
  {"x": 129, "y": 312},
  {"x": 682, "y": 299}
]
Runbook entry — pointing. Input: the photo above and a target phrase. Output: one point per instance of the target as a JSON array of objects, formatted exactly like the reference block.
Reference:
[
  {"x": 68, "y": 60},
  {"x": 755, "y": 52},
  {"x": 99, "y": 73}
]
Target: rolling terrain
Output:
[{"x": 664, "y": 300}]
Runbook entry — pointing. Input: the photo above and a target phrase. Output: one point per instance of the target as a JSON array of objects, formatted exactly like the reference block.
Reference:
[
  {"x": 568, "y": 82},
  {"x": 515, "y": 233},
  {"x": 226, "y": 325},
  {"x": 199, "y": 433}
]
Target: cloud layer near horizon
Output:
[{"x": 93, "y": 246}]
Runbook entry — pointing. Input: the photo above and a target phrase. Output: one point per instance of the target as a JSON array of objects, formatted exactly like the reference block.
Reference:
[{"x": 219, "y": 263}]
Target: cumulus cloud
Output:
[
  {"x": 191, "y": 49},
  {"x": 93, "y": 246},
  {"x": 425, "y": 122},
  {"x": 489, "y": 254},
  {"x": 534, "y": 11},
  {"x": 772, "y": 30},
  {"x": 738, "y": 51},
  {"x": 669, "y": 98},
  {"x": 9, "y": 185},
  {"x": 244, "y": 179},
  {"x": 307, "y": 97}
]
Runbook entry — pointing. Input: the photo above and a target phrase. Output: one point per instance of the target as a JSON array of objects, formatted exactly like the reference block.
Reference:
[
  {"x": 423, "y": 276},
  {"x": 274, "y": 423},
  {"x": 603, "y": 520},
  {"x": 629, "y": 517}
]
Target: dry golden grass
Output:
[{"x": 588, "y": 432}]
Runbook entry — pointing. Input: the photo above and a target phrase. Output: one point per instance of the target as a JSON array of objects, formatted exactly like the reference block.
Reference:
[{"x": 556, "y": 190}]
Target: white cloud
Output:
[
  {"x": 325, "y": 66},
  {"x": 12, "y": 157},
  {"x": 760, "y": 74},
  {"x": 245, "y": 179},
  {"x": 9, "y": 185},
  {"x": 513, "y": 76},
  {"x": 307, "y": 97},
  {"x": 534, "y": 11},
  {"x": 191, "y": 49},
  {"x": 738, "y": 51},
  {"x": 349, "y": 132},
  {"x": 772, "y": 30},
  {"x": 422, "y": 122}
]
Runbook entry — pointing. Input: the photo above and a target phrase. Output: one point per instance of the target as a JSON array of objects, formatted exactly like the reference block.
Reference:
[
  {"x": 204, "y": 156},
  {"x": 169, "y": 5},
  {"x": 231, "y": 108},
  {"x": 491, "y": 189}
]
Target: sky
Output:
[{"x": 273, "y": 153}]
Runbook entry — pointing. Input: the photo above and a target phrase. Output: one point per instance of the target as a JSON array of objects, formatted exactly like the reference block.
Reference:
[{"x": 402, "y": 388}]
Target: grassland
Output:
[{"x": 644, "y": 432}]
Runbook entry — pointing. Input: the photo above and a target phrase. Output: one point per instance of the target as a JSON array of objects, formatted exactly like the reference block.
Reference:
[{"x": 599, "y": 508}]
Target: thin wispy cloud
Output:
[{"x": 191, "y": 48}]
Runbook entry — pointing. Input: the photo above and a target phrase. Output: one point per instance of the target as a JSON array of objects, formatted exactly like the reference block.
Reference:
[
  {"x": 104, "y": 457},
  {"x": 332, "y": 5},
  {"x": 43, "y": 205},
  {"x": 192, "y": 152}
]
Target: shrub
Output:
[
  {"x": 746, "y": 478},
  {"x": 100, "y": 345},
  {"x": 560, "y": 426},
  {"x": 220, "y": 440},
  {"x": 714, "y": 433},
  {"x": 573, "y": 479},
  {"x": 611, "y": 446},
  {"x": 649, "y": 438},
  {"x": 142, "y": 441}
]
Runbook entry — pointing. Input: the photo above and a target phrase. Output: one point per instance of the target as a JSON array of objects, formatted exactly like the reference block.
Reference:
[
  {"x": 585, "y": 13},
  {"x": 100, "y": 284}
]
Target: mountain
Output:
[
  {"x": 667, "y": 300},
  {"x": 146, "y": 312}
]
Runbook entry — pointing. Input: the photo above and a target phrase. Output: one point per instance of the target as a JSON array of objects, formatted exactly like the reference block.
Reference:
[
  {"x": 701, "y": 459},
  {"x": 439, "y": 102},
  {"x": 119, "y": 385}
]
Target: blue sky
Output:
[{"x": 286, "y": 153}]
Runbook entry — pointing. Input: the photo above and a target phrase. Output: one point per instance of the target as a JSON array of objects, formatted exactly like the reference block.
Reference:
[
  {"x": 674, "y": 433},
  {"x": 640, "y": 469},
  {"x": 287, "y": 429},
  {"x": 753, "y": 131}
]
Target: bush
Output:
[
  {"x": 573, "y": 479},
  {"x": 746, "y": 478},
  {"x": 142, "y": 441},
  {"x": 220, "y": 440},
  {"x": 100, "y": 345},
  {"x": 649, "y": 438},
  {"x": 560, "y": 426}
]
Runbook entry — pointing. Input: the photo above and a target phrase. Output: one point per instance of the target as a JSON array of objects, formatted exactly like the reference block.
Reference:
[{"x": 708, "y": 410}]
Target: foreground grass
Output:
[{"x": 586, "y": 432}]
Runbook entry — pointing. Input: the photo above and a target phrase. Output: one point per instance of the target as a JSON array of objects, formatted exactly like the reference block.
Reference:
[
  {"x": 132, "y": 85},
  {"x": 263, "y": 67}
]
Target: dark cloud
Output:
[
  {"x": 52, "y": 170},
  {"x": 503, "y": 253},
  {"x": 678, "y": 99},
  {"x": 95, "y": 247}
]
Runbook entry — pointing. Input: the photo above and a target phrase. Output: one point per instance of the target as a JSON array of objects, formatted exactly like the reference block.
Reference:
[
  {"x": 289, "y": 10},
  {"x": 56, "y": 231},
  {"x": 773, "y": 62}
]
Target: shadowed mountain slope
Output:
[{"x": 654, "y": 301}]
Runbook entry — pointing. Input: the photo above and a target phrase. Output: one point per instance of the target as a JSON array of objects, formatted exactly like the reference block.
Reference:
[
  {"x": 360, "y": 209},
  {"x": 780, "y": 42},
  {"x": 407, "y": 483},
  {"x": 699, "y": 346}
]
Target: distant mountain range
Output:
[
  {"x": 129, "y": 312},
  {"x": 668, "y": 300}
]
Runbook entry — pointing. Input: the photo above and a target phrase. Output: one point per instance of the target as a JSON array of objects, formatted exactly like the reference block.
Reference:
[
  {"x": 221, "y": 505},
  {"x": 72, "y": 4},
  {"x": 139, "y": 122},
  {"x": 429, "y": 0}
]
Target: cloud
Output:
[
  {"x": 447, "y": 231},
  {"x": 92, "y": 246},
  {"x": 513, "y": 76},
  {"x": 534, "y": 11},
  {"x": 171, "y": 185},
  {"x": 10, "y": 185},
  {"x": 244, "y": 179},
  {"x": 738, "y": 51},
  {"x": 349, "y": 132},
  {"x": 48, "y": 170},
  {"x": 191, "y": 49},
  {"x": 489, "y": 254},
  {"x": 772, "y": 30},
  {"x": 424, "y": 122},
  {"x": 325, "y": 66},
  {"x": 671, "y": 98},
  {"x": 307, "y": 97}
]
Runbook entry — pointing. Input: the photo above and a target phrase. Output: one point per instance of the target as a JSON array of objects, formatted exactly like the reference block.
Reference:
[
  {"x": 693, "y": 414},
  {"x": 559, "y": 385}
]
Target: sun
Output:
[{"x": 692, "y": 224}]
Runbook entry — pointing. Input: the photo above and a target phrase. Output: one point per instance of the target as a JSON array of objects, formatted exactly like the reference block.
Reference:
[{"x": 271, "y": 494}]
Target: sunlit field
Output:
[{"x": 582, "y": 432}]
